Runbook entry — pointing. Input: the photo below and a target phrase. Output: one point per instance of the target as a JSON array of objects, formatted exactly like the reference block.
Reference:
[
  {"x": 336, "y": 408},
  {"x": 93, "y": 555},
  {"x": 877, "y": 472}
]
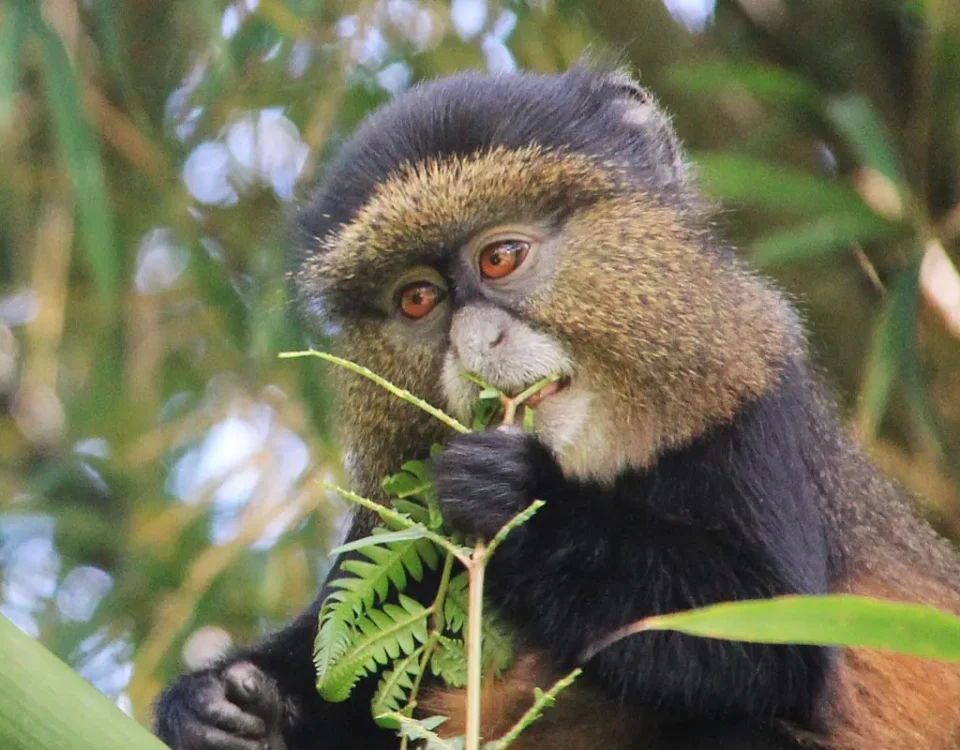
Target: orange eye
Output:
[
  {"x": 418, "y": 299},
  {"x": 503, "y": 258}
]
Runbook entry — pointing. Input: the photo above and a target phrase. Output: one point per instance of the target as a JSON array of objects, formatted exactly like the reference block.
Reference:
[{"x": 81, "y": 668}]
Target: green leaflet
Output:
[
  {"x": 422, "y": 730},
  {"x": 389, "y": 564},
  {"x": 412, "y": 487},
  {"x": 381, "y": 536},
  {"x": 394, "y": 687}
]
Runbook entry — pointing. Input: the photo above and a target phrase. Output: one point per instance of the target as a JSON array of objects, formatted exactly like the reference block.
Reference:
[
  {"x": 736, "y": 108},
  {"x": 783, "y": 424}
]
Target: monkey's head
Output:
[{"x": 519, "y": 226}]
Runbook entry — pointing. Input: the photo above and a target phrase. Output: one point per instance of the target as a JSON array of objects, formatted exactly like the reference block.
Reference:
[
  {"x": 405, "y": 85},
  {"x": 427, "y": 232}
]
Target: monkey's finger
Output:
[
  {"x": 248, "y": 687},
  {"x": 212, "y": 738},
  {"x": 276, "y": 742},
  {"x": 231, "y": 718}
]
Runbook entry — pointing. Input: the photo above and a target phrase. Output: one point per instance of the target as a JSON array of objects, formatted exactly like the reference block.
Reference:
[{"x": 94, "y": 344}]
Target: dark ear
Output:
[{"x": 638, "y": 109}]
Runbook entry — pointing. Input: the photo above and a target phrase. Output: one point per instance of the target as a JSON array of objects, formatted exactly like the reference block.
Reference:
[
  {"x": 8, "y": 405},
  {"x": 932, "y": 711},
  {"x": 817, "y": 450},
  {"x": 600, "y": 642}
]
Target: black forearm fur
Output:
[{"x": 732, "y": 516}]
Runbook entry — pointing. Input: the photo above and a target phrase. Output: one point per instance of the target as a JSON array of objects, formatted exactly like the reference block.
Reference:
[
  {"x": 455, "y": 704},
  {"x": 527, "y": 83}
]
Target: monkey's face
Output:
[{"x": 513, "y": 260}]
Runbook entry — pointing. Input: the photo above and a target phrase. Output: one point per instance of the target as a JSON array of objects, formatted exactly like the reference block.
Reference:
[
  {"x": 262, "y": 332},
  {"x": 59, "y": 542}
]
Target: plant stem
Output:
[
  {"x": 475, "y": 572},
  {"x": 476, "y": 568}
]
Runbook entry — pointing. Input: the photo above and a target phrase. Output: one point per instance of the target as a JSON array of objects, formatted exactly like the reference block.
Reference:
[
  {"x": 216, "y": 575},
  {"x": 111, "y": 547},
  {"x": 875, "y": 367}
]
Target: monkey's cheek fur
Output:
[{"x": 483, "y": 479}]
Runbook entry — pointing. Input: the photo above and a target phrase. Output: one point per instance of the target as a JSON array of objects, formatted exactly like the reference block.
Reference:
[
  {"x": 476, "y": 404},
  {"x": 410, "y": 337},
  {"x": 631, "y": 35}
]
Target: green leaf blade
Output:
[
  {"x": 856, "y": 119},
  {"x": 825, "y": 235},
  {"x": 890, "y": 349},
  {"x": 13, "y": 32},
  {"x": 764, "y": 82},
  {"x": 759, "y": 183},
  {"x": 81, "y": 157},
  {"x": 834, "y": 620}
]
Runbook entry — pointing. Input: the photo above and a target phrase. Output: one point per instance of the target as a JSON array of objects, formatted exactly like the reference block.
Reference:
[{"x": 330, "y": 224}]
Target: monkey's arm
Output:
[
  {"x": 265, "y": 697},
  {"x": 692, "y": 531}
]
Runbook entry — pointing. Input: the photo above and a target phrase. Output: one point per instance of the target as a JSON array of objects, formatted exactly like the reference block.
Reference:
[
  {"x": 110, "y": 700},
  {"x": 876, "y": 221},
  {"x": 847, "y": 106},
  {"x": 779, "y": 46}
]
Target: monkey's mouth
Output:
[{"x": 549, "y": 390}]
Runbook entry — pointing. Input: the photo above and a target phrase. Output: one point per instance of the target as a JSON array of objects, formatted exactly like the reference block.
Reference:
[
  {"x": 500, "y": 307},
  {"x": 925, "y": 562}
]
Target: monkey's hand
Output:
[
  {"x": 483, "y": 479},
  {"x": 235, "y": 707}
]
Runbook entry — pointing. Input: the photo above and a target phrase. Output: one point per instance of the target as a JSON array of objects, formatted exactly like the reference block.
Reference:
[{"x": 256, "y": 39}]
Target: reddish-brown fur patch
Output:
[{"x": 888, "y": 701}]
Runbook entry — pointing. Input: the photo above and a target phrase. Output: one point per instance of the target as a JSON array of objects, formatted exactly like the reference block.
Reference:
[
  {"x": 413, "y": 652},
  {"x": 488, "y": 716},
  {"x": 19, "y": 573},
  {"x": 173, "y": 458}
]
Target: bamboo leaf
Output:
[
  {"x": 758, "y": 183},
  {"x": 836, "y": 620},
  {"x": 215, "y": 286},
  {"x": 13, "y": 31},
  {"x": 855, "y": 118},
  {"x": 48, "y": 706},
  {"x": 889, "y": 350},
  {"x": 764, "y": 82},
  {"x": 81, "y": 156},
  {"x": 825, "y": 235}
]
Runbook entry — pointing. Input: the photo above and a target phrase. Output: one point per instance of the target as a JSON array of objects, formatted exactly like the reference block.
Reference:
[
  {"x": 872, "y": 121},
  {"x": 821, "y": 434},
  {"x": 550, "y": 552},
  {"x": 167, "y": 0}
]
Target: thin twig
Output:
[
  {"x": 396, "y": 390},
  {"x": 869, "y": 269},
  {"x": 521, "y": 518},
  {"x": 545, "y": 700}
]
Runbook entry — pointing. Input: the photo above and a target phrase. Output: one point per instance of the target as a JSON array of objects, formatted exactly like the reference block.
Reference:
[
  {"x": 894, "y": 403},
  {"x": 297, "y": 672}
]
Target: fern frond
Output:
[
  {"x": 449, "y": 662},
  {"x": 380, "y": 636},
  {"x": 370, "y": 580},
  {"x": 455, "y": 603},
  {"x": 496, "y": 645},
  {"x": 368, "y": 583},
  {"x": 334, "y": 634},
  {"x": 396, "y": 684}
]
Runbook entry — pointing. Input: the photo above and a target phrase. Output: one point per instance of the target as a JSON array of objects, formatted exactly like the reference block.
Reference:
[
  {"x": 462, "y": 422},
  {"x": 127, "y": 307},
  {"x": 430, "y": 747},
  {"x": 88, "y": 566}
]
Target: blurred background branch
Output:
[{"x": 158, "y": 464}]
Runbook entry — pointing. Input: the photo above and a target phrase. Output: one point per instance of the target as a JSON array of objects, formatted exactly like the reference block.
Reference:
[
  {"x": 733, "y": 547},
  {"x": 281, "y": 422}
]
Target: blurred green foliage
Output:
[{"x": 159, "y": 464}]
